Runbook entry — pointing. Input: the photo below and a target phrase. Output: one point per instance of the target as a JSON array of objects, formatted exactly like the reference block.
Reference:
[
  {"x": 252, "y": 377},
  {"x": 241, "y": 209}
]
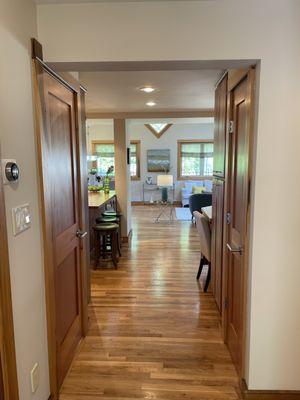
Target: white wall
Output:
[
  {"x": 103, "y": 130},
  {"x": 17, "y": 140},
  {"x": 212, "y": 30},
  {"x": 168, "y": 140}
]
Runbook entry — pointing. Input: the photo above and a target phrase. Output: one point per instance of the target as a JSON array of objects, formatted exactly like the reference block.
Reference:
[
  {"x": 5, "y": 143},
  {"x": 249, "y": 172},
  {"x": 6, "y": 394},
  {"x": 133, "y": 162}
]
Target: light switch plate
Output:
[
  {"x": 21, "y": 218},
  {"x": 35, "y": 377}
]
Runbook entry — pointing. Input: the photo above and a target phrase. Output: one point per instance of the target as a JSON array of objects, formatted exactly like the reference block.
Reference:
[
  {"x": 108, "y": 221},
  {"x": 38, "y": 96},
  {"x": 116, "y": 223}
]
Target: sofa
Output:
[{"x": 187, "y": 189}]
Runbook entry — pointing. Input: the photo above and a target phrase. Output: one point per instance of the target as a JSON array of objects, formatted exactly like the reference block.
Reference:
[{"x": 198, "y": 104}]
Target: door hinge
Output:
[
  {"x": 231, "y": 126},
  {"x": 228, "y": 218},
  {"x": 226, "y": 303}
]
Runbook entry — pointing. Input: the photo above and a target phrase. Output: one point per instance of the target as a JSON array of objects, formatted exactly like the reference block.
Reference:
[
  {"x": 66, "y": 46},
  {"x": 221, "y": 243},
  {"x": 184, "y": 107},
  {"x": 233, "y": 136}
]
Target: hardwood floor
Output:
[{"x": 154, "y": 334}]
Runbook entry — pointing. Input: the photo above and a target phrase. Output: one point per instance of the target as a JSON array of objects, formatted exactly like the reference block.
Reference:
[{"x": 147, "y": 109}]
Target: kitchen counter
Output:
[
  {"x": 99, "y": 199},
  {"x": 98, "y": 202}
]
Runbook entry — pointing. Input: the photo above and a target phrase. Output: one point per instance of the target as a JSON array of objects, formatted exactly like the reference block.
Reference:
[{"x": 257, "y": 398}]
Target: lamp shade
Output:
[{"x": 165, "y": 180}]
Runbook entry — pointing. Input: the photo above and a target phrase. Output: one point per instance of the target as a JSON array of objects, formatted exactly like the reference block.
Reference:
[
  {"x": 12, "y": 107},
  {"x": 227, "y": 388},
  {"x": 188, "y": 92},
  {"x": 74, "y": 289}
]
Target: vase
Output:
[{"x": 106, "y": 185}]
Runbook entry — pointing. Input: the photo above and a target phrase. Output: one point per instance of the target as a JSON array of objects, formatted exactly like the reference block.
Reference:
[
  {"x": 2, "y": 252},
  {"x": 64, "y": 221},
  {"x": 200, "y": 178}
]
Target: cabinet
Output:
[
  {"x": 217, "y": 239},
  {"x": 220, "y": 128}
]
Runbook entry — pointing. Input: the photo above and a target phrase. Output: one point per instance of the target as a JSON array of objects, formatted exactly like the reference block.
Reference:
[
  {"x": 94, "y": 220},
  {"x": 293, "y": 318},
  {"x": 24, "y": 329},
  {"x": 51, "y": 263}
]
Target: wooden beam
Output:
[{"x": 203, "y": 113}]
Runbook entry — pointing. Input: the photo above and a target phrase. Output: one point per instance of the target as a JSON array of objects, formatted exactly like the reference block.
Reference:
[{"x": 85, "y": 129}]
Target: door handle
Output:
[
  {"x": 232, "y": 250},
  {"x": 81, "y": 234}
]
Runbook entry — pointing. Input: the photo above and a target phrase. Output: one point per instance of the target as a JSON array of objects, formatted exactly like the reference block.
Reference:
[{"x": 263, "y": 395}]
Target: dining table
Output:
[{"x": 207, "y": 211}]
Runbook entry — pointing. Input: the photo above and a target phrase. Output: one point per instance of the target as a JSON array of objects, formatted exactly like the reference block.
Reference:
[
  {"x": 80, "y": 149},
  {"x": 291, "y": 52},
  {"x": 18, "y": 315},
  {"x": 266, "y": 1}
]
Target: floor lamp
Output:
[{"x": 164, "y": 182}]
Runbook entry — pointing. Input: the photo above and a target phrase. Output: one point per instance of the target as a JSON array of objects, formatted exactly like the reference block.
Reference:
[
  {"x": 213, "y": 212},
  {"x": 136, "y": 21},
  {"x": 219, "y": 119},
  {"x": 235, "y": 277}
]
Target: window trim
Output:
[
  {"x": 181, "y": 177},
  {"x": 136, "y": 177}
]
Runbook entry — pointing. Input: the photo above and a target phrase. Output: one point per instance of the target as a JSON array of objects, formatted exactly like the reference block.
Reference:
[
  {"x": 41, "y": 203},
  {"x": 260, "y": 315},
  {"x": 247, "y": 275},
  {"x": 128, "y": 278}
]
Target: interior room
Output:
[
  {"x": 149, "y": 206},
  {"x": 142, "y": 139}
]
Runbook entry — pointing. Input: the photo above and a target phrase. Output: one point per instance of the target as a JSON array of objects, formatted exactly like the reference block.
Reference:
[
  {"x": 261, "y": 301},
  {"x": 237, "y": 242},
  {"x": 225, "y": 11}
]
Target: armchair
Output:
[{"x": 199, "y": 200}]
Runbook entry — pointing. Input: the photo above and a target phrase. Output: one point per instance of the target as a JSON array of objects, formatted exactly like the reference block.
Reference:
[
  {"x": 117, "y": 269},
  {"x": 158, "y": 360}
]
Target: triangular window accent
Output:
[{"x": 158, "y": 129}]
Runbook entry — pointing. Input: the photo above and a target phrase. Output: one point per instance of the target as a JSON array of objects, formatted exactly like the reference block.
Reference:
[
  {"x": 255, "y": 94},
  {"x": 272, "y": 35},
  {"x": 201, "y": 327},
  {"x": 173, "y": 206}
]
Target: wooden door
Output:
[
  {"x": 220, "y": 128},
  {"x": 240, "y": 115},
  {"x": 59, "y": 154},
  {"x": 62, "y": 162},
  {"x": 217, "y": 239}
]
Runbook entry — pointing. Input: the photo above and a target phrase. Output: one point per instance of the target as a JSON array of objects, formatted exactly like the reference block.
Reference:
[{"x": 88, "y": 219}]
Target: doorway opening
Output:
[{"x": 145, "y": 313}]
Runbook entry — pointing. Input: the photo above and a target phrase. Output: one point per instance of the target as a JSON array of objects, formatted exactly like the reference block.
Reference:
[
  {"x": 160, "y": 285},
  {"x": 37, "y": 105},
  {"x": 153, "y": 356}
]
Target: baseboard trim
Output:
[
  {"x": 268, "y": 394},
  {"x": 126, "y": 239}
]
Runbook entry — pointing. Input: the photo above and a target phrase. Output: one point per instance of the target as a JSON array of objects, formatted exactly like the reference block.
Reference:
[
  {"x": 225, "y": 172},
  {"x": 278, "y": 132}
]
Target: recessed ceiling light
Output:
[
  {"x": 147, "y": 89},
  {"x": 151, "y": 103}
]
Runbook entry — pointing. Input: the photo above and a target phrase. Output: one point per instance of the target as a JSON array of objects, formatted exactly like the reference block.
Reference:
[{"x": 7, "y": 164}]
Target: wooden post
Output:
[{"x": 122, "y": 174}]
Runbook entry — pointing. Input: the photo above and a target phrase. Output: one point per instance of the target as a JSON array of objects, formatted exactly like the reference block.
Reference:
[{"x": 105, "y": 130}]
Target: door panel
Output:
[
  {"x": 238, "y": 205},
  {"x": 62, "y": 167}
]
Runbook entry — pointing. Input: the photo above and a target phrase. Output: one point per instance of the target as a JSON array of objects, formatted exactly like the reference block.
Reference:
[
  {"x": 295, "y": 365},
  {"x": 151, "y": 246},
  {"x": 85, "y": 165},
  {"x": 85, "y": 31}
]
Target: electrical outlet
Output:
[{"x": 35, "y": 377}]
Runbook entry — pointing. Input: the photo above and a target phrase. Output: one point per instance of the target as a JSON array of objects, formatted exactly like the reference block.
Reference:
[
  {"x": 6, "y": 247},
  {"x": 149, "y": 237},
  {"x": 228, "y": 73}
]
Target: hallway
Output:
[{"x": 153, "y": 333}]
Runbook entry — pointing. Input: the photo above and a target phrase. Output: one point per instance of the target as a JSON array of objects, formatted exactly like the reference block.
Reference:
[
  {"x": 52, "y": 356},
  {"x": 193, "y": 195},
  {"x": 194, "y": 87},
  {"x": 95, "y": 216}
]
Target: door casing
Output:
[
  {"x": 39, "y": 68},
  {"x": 7, "y": 342}
]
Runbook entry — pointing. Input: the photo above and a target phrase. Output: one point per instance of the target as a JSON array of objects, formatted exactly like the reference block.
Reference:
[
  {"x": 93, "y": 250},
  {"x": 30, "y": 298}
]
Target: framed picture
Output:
[{"x": 158, "y": 160}]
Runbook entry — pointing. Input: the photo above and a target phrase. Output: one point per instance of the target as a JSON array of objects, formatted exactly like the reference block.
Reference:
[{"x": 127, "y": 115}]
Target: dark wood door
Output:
[
  {"x": 217, "y": 239},
  {"x": 62, "y": 164},
  {"x": 220, "y": 128},
  {"x": 238, "y": 185}
]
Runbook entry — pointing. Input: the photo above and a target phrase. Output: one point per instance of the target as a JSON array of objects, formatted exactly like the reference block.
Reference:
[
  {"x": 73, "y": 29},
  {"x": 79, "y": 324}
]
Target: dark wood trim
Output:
[
  {"x": 153, "y": 114},
  {"x": 36, "y": 49},
  {"x": 7, "y": 341},
  {"x": 160, "y": 133},
  {"x": 268, "y": 394},
  {"x": 235, "y": 76},
  {"x": 39, "y": 68},
  {"x": 137, "y": 177},
  {"x": 226, "y": 205},
  {"x": 138, "y": 154},
  {"x": 83, "y": 208}
]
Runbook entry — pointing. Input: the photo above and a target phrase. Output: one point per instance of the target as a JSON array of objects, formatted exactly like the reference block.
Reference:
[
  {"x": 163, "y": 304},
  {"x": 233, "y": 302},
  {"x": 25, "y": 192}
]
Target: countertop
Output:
[{"x": 98, "y": 199}]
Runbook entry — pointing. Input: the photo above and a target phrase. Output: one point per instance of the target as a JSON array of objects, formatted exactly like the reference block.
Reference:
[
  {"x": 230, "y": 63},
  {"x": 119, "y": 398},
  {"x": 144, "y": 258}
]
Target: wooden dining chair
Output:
[{"x": 203, "y": 228}]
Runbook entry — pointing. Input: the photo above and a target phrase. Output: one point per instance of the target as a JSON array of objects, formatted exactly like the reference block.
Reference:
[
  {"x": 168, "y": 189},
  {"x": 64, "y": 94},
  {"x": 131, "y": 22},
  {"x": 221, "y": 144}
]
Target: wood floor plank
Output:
[{"x": 153, "y": 333}]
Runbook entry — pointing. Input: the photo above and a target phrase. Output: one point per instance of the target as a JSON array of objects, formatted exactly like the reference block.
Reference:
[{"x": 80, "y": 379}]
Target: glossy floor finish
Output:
[{"x": 154, "y": 334}]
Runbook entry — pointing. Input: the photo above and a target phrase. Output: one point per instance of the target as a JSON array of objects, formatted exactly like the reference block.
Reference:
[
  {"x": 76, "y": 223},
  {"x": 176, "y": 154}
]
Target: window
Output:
[
  {"x": 195, "y": 159},
  {"x": 105, "y": 150},
  {"x": 135, "y": 159}
]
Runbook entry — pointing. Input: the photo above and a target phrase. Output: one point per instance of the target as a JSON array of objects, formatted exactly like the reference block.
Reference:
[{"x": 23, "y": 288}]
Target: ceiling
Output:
[
  {"x": 175, "y": 90},
  {"x": 98, "y": 1}
]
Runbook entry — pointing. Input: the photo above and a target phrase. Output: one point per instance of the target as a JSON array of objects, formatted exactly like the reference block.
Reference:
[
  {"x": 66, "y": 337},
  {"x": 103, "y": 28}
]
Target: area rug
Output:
[{"x": 183, "y": 214}]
